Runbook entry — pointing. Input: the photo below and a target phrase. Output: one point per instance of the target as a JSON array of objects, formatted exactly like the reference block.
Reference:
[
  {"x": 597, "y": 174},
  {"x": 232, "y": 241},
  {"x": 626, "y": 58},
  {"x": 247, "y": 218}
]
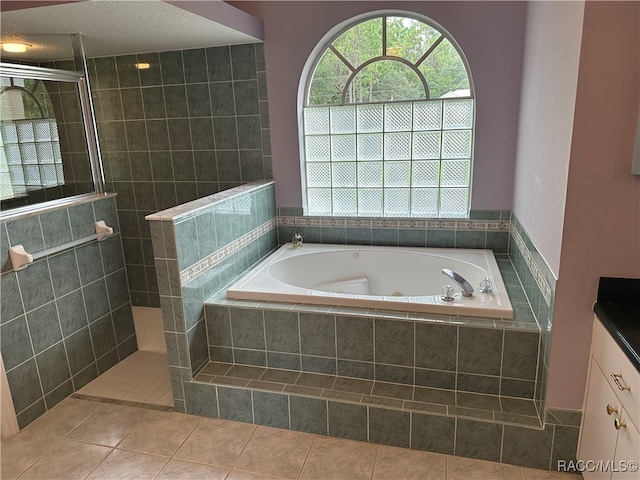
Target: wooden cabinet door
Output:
[
  {"x": 627, "y": 453},
  {"x": 598, "y": 435}
]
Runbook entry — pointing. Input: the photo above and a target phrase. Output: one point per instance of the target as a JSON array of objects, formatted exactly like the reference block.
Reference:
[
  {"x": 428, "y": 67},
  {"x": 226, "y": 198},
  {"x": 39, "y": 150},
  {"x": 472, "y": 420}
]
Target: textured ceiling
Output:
[{"x": 116, "y": 27}]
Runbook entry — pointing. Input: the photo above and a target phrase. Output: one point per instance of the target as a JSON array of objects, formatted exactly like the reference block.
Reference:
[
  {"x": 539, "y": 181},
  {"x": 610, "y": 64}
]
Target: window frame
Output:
[
  {"x": 81, "y": 83},
  {"x": 316, "y": 56}
]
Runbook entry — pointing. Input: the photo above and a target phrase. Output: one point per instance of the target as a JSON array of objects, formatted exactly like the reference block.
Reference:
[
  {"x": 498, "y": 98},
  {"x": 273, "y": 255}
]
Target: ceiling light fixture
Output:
[
  {"x": 15, "y": 47},
  {"x": 142, "y": 66}
]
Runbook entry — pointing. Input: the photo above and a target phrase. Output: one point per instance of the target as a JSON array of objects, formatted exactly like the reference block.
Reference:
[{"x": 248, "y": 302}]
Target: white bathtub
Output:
[{"x": 385, "y": 278}]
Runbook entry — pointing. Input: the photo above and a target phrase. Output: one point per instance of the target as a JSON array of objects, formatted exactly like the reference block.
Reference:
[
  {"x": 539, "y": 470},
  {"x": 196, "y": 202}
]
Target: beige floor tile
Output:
[
  {"x": 534, "y": 474},
  {"x": 160, "y": 433},
  {"x": 67, "y": 460},
  {"x": 131, "y": 378},
  {"x": 64, "y": 417},
  {"x": 180, "y": 470},
  {"x": 108, "y": 426},
  {"x": 21, "y": 451},
  {"x": 124, "y": 465},
  {"x": 275, "y": 452},
  {"x": 333, "y": 458},
  {"x": 393, "y": 462},
  {"x": 216, "y": 442},
  {"x": 243, "y": 475},
  {"x": 459, "y": 468},
  {"x": 149, "y": 329}
]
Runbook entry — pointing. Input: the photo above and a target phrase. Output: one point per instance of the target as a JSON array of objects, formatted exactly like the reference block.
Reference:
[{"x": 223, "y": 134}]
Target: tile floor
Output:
[
  {"x": 142, "y": 377},
  {"x": 80, "y": 439}
]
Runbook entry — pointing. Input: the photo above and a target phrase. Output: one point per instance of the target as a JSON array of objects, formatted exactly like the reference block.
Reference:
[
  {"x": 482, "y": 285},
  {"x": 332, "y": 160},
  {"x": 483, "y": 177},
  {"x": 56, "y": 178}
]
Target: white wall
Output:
[
  {"x": 491, "y": 34},
  {"x": 549, "y": 83},
  {"x": 574, "y": 192},
  {"x": 601, "y": 233}
]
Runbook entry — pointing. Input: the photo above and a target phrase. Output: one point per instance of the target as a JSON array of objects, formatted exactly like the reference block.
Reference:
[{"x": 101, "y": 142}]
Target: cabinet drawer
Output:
[{"x": 622, "y": 376}]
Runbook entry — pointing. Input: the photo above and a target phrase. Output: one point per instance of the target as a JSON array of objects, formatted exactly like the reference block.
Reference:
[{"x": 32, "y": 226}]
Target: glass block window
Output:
[
  {"x": 30, "y": 157},
  {"x": 388, "y": 123}
]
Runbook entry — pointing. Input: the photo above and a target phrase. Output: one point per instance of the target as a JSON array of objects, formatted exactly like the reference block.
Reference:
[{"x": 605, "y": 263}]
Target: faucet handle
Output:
[
  {"x": 296, "y": 241},
  {"x": 486, "y": 286},
  {"x": 447, "y": 293}
]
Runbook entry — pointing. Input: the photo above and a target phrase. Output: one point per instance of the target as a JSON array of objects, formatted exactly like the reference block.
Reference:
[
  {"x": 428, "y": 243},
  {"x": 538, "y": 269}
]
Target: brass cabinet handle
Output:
[
  {"x": 619, "y": 424},
  {"x": 611, "y": 409},
  {"x": 617, "y": 380}
]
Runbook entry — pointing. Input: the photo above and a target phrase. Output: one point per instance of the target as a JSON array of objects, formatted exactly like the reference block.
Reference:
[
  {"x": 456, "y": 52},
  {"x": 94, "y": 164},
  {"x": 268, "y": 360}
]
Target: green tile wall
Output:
[
  {"x": 193, "y": 124},
  {"x": 208, "y": 244},
  {"x": 539, "y": 287},
  {"x": 65, "y": 318}
]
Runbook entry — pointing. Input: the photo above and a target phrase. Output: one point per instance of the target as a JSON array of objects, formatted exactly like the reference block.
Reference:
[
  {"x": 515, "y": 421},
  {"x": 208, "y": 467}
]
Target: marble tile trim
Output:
[
  {"x": 537, "y": 274},
  {"x": 225, "y": 252},
  {"x": 43, "y": 208},
  {"x": 190, "y": 209},
  {"x": 405, "y": 224}
]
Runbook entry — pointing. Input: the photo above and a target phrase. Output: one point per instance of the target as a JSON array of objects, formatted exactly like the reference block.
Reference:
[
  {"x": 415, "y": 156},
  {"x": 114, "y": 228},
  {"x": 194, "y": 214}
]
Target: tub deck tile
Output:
[
  {"x": 338, "y": 395},
  {"x": 280, "y": 376},
  {"x": 246, "y": 371},
  {"x": 216, "y": 368},
  {"x": 316, "y": 380},
  {"x": 268, "y": 386},
  {"x": 370, "y": 393},
  {"x": 353, "y": 385},
  {"x": 307, "y": 391}
]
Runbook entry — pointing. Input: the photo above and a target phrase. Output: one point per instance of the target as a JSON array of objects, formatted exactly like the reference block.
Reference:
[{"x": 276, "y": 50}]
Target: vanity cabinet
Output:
[{"x": 609, "y": 437}]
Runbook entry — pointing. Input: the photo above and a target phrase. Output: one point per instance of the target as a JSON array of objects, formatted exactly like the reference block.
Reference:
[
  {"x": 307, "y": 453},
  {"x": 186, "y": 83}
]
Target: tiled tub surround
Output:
[
  {"x": 468, "y": 354},
  {"x": 66, "y": 318},
  {"x": 200, "y": 247},
  {"x": 539, "y": 288},
  {"x": 193, "y": 124},
  {"x": 385, "y": 403},
  {"x": 306, "y": 369},
  {"x": 531, "y": 286},
  {"x": 418, "y": 358}
]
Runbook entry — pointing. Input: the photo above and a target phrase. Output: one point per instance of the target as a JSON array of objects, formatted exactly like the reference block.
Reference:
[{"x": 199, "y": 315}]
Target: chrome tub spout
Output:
[{"x": 467, "y": 289}]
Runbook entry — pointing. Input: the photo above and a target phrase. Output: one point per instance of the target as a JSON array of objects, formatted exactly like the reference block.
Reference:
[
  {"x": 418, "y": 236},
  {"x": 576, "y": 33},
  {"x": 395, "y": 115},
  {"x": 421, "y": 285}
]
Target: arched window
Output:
[{"x": 387, "y": 123}]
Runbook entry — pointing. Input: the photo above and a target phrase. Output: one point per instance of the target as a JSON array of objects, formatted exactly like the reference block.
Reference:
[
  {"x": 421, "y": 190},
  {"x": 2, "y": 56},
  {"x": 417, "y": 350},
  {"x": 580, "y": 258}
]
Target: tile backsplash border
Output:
[
  {"x": 483, "y": 229},
  {"x": 225, "y": 252}
]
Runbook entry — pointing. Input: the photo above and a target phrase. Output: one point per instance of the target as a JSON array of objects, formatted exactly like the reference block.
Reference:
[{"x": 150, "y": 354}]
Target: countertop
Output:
[{"x": 618, "y": 308}]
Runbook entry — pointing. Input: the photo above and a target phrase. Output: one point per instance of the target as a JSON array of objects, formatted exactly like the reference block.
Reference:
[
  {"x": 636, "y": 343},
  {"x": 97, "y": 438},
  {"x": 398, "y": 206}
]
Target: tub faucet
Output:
[
  {"x": 296, "y": 241},
  {"x": 467, "y": 289}
]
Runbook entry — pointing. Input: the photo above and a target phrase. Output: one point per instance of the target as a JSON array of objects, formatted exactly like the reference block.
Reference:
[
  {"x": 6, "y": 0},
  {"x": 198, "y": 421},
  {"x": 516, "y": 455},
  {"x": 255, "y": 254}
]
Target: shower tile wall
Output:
[
  {"x": 194, "y": 123},
  {"x": 67, "y": 317}
]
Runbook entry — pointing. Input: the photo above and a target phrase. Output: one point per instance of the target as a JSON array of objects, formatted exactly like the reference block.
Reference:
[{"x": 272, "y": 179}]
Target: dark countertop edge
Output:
[
  {"x": 619, "y": 290},
  {"x": 601, "y": 312}
]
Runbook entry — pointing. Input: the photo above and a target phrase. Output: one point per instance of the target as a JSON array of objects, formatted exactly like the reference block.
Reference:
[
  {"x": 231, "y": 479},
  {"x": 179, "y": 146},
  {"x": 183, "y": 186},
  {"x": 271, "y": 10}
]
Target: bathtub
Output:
[{"x": 371, "y": 277}]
